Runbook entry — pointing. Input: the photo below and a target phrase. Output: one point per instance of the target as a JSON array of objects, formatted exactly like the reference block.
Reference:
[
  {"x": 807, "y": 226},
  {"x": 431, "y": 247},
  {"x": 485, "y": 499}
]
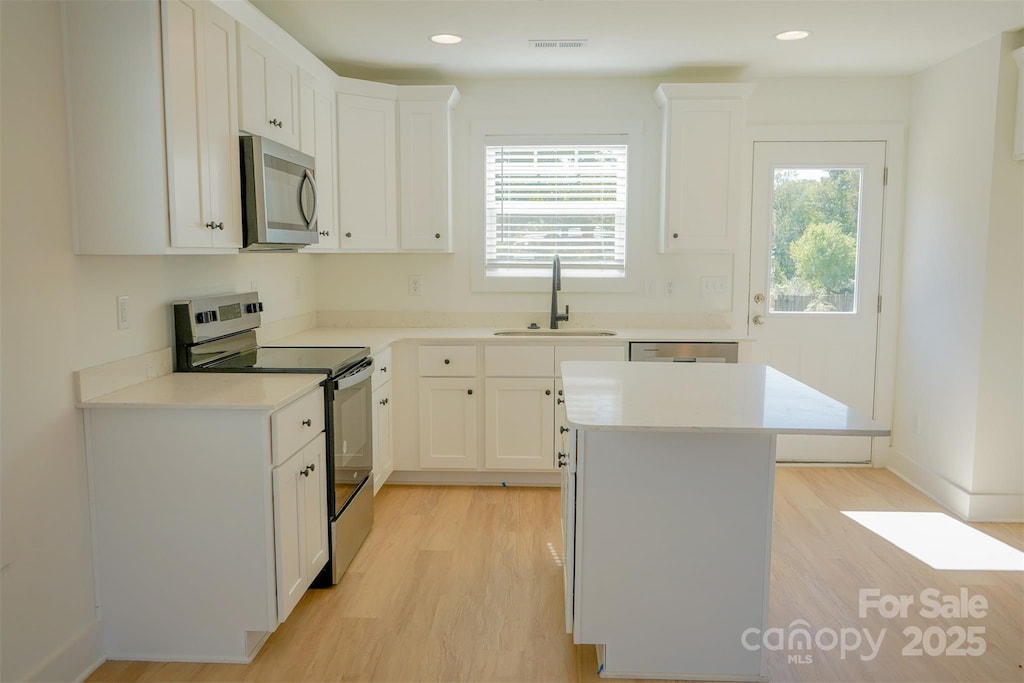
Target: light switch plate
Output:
[
  {"x": 714, "y": 285},
  {"x": 122, "y": 312}
]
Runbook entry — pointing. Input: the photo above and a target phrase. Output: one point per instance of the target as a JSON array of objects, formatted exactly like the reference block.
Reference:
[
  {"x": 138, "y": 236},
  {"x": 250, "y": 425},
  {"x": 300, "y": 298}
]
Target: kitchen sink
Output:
[{"x": 554, "y": 333}]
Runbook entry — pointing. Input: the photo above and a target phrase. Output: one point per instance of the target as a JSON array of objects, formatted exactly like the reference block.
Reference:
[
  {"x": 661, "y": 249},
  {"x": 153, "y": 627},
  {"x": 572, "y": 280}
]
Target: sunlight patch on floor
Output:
[{"x": 940, "y": 541}]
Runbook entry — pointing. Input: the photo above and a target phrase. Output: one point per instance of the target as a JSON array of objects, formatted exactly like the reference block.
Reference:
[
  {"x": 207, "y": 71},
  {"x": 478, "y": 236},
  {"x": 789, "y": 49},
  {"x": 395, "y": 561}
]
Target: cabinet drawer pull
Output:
[{"x": 307, "y": 422}]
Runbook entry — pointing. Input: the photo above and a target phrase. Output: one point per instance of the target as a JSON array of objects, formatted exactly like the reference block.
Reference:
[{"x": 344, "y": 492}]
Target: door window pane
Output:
[{"x": 815, "y": 220}]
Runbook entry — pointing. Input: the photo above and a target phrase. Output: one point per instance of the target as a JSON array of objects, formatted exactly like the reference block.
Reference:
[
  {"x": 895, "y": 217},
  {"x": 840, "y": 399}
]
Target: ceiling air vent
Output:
[{"x": 560, "y": 43}]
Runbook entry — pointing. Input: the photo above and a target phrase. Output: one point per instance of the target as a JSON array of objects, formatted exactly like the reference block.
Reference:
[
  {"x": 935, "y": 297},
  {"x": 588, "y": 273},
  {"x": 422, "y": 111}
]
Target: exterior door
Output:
[{"x": 816, "y": 238}]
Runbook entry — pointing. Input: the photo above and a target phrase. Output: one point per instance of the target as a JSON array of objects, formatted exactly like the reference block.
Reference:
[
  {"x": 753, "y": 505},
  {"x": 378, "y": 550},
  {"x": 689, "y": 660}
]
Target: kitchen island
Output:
[{"x": 667, "y": 510}]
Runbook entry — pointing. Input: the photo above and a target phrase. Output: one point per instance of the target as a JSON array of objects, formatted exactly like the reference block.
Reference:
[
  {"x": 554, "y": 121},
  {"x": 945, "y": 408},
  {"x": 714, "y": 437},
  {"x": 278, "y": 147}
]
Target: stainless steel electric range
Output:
[{"x": 218, "y": 334}]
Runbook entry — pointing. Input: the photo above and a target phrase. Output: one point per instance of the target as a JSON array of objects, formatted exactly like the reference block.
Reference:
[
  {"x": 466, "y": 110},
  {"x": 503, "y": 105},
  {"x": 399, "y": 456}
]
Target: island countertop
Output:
[{"x": 703, "y": 397}]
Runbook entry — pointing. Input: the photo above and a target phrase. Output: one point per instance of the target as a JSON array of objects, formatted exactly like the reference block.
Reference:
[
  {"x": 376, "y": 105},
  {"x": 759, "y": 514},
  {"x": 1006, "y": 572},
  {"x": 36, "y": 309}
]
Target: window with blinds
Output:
[{"x": 543, "y": 200}]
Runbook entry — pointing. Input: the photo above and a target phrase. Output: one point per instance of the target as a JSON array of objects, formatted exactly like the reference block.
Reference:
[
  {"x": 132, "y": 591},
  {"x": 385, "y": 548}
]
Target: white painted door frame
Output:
[{"x": 894, "y": 135}]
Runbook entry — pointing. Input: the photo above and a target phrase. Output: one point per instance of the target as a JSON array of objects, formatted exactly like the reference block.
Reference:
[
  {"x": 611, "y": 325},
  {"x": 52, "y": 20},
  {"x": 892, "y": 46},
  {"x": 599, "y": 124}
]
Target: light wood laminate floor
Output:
[{"x": 462, "y": 584}]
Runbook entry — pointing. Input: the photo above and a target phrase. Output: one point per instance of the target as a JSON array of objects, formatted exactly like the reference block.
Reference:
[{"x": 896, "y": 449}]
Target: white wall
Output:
[
  {"x": 999, "y": 446},
  {"x": 961, "y": 286},
  {"x": 380, "y": 281},
  {"x": 58, "y": 315}
]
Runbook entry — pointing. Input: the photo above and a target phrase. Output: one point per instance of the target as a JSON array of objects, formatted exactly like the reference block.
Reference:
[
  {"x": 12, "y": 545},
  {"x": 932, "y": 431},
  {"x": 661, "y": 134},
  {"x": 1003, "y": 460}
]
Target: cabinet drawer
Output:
[
  {"x": 381, "y": 368},
  {"x": 447, "y": 361},
  {"x": 587, "y": 352},
  {"x": 527, "y": 360},
  {"x": 296, "y": 424}
]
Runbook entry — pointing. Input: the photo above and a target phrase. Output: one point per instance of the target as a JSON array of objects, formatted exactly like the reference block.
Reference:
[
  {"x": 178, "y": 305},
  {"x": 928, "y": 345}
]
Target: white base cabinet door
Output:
[
  {"x": 383, "y": 453},
  {"x": 520, "y": 423},
  {"x": 300, "y": 524},
  {"x": 449, "y": 420}
]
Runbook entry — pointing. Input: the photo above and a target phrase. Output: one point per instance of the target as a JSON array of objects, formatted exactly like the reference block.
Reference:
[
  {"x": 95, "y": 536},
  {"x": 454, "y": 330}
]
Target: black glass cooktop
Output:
[{"x": 308, "y": 359}]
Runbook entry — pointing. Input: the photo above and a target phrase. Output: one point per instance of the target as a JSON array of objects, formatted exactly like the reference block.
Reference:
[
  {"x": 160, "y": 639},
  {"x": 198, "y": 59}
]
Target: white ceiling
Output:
[{"x": 716, "y": 39}]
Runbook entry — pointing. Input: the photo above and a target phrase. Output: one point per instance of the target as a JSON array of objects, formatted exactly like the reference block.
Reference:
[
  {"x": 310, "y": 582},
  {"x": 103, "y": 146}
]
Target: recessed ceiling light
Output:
[
  {"x": 793, "y": 35},
  {"x": 446, "y": 39}
]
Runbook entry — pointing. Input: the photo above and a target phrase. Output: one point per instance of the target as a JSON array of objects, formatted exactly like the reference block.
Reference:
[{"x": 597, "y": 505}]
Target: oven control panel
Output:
[{"x": 202, "y": 319}]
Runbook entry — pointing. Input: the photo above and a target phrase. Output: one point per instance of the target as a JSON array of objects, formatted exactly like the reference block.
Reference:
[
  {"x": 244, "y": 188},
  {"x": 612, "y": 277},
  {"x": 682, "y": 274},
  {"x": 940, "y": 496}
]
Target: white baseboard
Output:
[
  {"x": 75, "y": 660},
  {"x": 474, "y": 478},
  {"x": 972, "y": 507}
]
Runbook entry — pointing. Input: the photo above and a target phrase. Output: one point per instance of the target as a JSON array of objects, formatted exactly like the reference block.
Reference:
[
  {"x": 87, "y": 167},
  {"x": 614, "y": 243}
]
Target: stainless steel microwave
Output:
[{"x": 279, "y": 198}]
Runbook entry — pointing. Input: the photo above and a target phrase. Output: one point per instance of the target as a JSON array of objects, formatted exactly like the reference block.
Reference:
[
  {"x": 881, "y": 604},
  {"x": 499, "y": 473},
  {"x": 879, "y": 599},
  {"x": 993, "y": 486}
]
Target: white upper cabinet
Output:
[
  {"x": 702, "y": 160},
  {"x": 269, "y": 90},
  {"x": 202, "y": 142},
  {"x": 367, "y": 183},
  {"x": 424, "y": 151},
  {"x": 150, "y": 144},
  {"x": 317, "y": 138}
]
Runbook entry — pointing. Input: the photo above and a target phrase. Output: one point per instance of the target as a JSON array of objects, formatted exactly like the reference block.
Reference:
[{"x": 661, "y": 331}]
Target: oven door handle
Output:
[{"x": 351, "y": 380}]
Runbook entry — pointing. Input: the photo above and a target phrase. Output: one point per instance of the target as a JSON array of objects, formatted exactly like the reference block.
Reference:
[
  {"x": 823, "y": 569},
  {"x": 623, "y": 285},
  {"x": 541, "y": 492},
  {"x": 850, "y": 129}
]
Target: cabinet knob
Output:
[
  {"x": 559, "y": 401},
  {"x": 447, "y": 362},
  {"x": 383, "y": 401},
  {"x": 675, "y": 235},
  {"x": 383, "y": 368},
  {"x": 561, "y": 463},
  {"x": 547, "y": 392},
  {"x": 312, "y": 467},
  {"x": 211, "y": 225},
  {"x": 348, "y": 234},
  {"x": 437, "y": 235},
  {"x": 563, "y": 430},
  {"x": 325, "y": 233},
  {"x": 469, "y": 391},
  {"x": 305, "y": 472},
  {"x": 308, "y": 422},
  {"x": 220, "y": 226}
]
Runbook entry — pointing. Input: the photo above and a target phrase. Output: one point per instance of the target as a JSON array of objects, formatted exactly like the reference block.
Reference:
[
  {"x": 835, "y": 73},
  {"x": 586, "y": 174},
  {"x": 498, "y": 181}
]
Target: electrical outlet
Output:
[
  {"x": 415, "y": 285},
  {"x": 670, "y": 288},
  {"x": 122, "y": 312}
]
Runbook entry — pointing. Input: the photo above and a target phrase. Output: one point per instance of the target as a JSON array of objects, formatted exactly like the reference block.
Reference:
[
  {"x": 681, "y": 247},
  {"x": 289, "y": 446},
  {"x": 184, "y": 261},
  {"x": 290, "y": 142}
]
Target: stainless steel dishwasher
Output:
[{"x": 684, "y": 352}]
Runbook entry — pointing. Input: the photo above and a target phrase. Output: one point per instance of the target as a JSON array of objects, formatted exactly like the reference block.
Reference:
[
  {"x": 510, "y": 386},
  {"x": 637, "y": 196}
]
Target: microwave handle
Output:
[{"x": 316, "y": 199}]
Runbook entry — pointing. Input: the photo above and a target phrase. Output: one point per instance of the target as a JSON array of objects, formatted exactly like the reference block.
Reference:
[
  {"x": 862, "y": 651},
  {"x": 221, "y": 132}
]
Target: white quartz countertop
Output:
[
  {"x": 703, "y": 397},
  {"x": 379, "y": 338},
  {"x": 257, "y": 391}
]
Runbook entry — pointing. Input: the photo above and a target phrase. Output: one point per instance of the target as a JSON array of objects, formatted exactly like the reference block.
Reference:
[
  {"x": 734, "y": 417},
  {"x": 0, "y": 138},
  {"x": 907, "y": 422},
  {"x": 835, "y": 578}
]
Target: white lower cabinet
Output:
[
  {"x": 519, "y": 431},
  {"x": 449, "y": 420},
  {"x": 198, "y": 519},
  {"x": 300, "y": 522},
  {"x": 522, "y": 416},
  {"x": 383, "y": 451}
]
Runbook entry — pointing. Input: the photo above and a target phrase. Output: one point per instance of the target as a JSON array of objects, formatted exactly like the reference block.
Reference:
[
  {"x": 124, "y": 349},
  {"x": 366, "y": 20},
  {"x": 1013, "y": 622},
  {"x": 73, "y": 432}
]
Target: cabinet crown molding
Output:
[{"x": 716, "y": 91}]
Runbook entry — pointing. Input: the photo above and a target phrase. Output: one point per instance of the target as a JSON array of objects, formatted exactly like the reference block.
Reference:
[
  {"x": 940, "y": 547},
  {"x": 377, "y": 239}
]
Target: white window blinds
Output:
[{"x": 543, "y": 200}]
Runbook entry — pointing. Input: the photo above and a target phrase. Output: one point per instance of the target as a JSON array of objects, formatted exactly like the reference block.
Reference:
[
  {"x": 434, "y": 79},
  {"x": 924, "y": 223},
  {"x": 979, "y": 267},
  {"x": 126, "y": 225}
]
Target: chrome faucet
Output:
[{"x": 556, "y": 286}]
